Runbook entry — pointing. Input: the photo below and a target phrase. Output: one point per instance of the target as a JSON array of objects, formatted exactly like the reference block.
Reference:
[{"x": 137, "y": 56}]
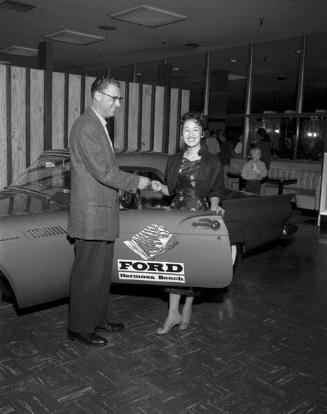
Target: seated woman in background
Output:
[
  {"x": 254, "y": 171},
  {"x": 195, "y": 178}
]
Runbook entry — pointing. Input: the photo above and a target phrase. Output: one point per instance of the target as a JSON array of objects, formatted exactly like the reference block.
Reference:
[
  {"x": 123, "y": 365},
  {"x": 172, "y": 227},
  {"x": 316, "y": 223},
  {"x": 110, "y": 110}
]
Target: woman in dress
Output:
[{"x": 195, "y": 178}]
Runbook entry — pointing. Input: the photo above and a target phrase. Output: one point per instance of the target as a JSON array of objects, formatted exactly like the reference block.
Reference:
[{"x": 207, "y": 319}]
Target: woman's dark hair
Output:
[{"x": 194, "y": 116}]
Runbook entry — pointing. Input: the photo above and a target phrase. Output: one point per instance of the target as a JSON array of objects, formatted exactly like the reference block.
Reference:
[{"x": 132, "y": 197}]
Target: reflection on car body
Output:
[{"x": 36, "y": 255}]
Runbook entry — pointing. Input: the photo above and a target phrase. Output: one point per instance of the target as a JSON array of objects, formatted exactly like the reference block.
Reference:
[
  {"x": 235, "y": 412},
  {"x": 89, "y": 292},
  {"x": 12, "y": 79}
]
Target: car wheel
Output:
[
  {"x": 6, "y": 293},
  {"x": 237, "y": 252}
]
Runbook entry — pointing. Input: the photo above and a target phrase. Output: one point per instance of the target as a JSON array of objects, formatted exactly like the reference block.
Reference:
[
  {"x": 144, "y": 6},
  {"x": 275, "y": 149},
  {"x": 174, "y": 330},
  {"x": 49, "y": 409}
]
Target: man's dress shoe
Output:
[
  {"x": 110, "y": 327},
  {"x": 87, "y": 338}
]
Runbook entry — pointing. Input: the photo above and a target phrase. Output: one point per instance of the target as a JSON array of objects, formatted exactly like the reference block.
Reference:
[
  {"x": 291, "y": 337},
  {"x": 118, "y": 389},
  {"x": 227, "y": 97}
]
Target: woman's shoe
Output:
[
  {"x": 186, "y": 318},
  {"x": 183, "y": 326},
  {"x": 168, "y": 326}
]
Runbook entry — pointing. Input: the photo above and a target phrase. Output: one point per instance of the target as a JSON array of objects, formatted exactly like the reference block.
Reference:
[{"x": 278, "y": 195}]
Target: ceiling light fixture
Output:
[
  {"x": 20, "y": 50},
  {"x": 191, "y": 45},
  {"x": 72, "y": 37},
  {"x": 148, "y": 16},
  {"x": 16, "y": 6},
  {"x": 105, "y": 27},
  {"x": 233, "y": 60}
]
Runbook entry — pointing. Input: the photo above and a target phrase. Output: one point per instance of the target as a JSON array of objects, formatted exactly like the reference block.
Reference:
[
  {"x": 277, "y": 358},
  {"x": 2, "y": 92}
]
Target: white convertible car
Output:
[{"x": 157, "y": 245}]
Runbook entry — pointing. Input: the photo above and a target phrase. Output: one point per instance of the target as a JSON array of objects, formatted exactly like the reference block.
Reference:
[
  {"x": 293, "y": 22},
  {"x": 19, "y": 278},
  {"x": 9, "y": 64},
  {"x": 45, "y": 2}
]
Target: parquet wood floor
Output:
[{"x": 259, "y": 347}]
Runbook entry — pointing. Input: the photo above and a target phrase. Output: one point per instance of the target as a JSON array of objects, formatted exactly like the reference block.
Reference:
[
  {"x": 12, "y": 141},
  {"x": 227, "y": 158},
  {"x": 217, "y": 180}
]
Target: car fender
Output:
[{"x": 40, "y": 242}]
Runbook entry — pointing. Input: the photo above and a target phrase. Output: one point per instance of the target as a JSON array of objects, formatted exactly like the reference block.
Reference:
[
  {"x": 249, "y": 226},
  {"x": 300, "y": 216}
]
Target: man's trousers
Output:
[{"x": 90, "y": 285}]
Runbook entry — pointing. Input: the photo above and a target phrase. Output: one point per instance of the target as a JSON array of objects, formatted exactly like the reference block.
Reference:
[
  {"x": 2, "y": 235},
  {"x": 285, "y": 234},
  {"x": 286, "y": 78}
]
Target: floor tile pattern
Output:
[{"x": 258, "y": 347}]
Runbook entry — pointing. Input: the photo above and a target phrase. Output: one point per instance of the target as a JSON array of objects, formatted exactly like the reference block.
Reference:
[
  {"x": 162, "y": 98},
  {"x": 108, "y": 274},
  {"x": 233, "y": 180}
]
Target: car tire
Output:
[{"x": 237, "y": 253}]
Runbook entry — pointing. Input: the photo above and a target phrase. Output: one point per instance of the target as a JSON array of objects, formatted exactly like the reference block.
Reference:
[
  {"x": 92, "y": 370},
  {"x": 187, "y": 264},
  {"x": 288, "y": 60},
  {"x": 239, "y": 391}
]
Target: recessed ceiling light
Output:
[
  {"x": 148, "y": 16},
  {"x": 298, "y": 51},
  {"x": 16, "y": 6},
  {"x": 105, "y": 27},
  {"x": 76, "y": 38},
  {"x": 233, "y": 60},
  {"x": 177, "y": 69},
  {"x": 191, "y": 45},
  {"x": 20, "y": 50}
]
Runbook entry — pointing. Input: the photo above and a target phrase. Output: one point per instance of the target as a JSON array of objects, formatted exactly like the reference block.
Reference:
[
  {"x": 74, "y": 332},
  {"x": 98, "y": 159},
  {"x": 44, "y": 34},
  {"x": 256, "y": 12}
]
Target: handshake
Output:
[{"x": 145, "y": 182}]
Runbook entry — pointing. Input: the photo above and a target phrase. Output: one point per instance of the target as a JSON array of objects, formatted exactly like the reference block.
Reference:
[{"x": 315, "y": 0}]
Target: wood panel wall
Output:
[
  {"x": 139, "y": 125},
  {"x": 5, "y": 152}
]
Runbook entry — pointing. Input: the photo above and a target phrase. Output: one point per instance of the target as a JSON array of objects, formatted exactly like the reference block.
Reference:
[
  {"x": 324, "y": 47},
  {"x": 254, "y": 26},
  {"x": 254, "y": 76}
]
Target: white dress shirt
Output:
[{"x": 104, "y": 123}]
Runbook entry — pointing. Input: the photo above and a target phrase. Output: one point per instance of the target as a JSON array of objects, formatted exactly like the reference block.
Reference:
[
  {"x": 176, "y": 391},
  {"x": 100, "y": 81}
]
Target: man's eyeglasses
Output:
[{"x": 115, "y": 98}]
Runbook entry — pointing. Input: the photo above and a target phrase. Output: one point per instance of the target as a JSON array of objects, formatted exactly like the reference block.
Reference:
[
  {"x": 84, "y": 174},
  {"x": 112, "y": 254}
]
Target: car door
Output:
[{"x": 163, "y": 246}]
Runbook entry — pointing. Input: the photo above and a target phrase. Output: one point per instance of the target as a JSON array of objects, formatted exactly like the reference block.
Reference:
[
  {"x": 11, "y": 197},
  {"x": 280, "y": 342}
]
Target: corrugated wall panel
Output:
[
  {"x": 18, "y": 120},
  {"x": 158, "y": 118},
  {"x": 174, "y": 122},
  {"x": 88, "y": 83},
  {"x": 119, "y": 143},
  {"x": 146, "y": 118},
  {"x": 185, "y": 103},
  {"x": 138, "y": 124},
  {"x": 3, "y": 127},
  {"x": 74, "y": 99},
  {"x": 58, "y": 109},
  {"x": 133, "y": 117},
  {"x": 36, "y": 113}
]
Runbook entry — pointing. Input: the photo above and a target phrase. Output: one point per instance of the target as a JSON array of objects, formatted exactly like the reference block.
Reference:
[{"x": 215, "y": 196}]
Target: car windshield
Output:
[{"x": 47, "y": 175}]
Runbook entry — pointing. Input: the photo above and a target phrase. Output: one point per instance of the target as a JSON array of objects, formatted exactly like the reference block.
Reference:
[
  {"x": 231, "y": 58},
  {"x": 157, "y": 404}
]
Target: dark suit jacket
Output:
[
  {"x": 95, "y": 181},
  {"x": 265, "y": 148},
  {"x": 210, "y": 181}
]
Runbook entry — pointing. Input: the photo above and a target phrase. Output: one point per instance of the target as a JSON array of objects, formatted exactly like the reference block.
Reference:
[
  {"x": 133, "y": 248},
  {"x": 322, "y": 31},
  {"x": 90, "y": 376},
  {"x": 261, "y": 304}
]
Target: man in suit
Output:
[{"x": 94, "y": 214}]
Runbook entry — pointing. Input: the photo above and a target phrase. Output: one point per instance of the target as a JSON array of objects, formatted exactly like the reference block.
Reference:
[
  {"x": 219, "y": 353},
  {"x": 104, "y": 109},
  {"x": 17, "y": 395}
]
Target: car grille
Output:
[{"x": 45, "y": 232}]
